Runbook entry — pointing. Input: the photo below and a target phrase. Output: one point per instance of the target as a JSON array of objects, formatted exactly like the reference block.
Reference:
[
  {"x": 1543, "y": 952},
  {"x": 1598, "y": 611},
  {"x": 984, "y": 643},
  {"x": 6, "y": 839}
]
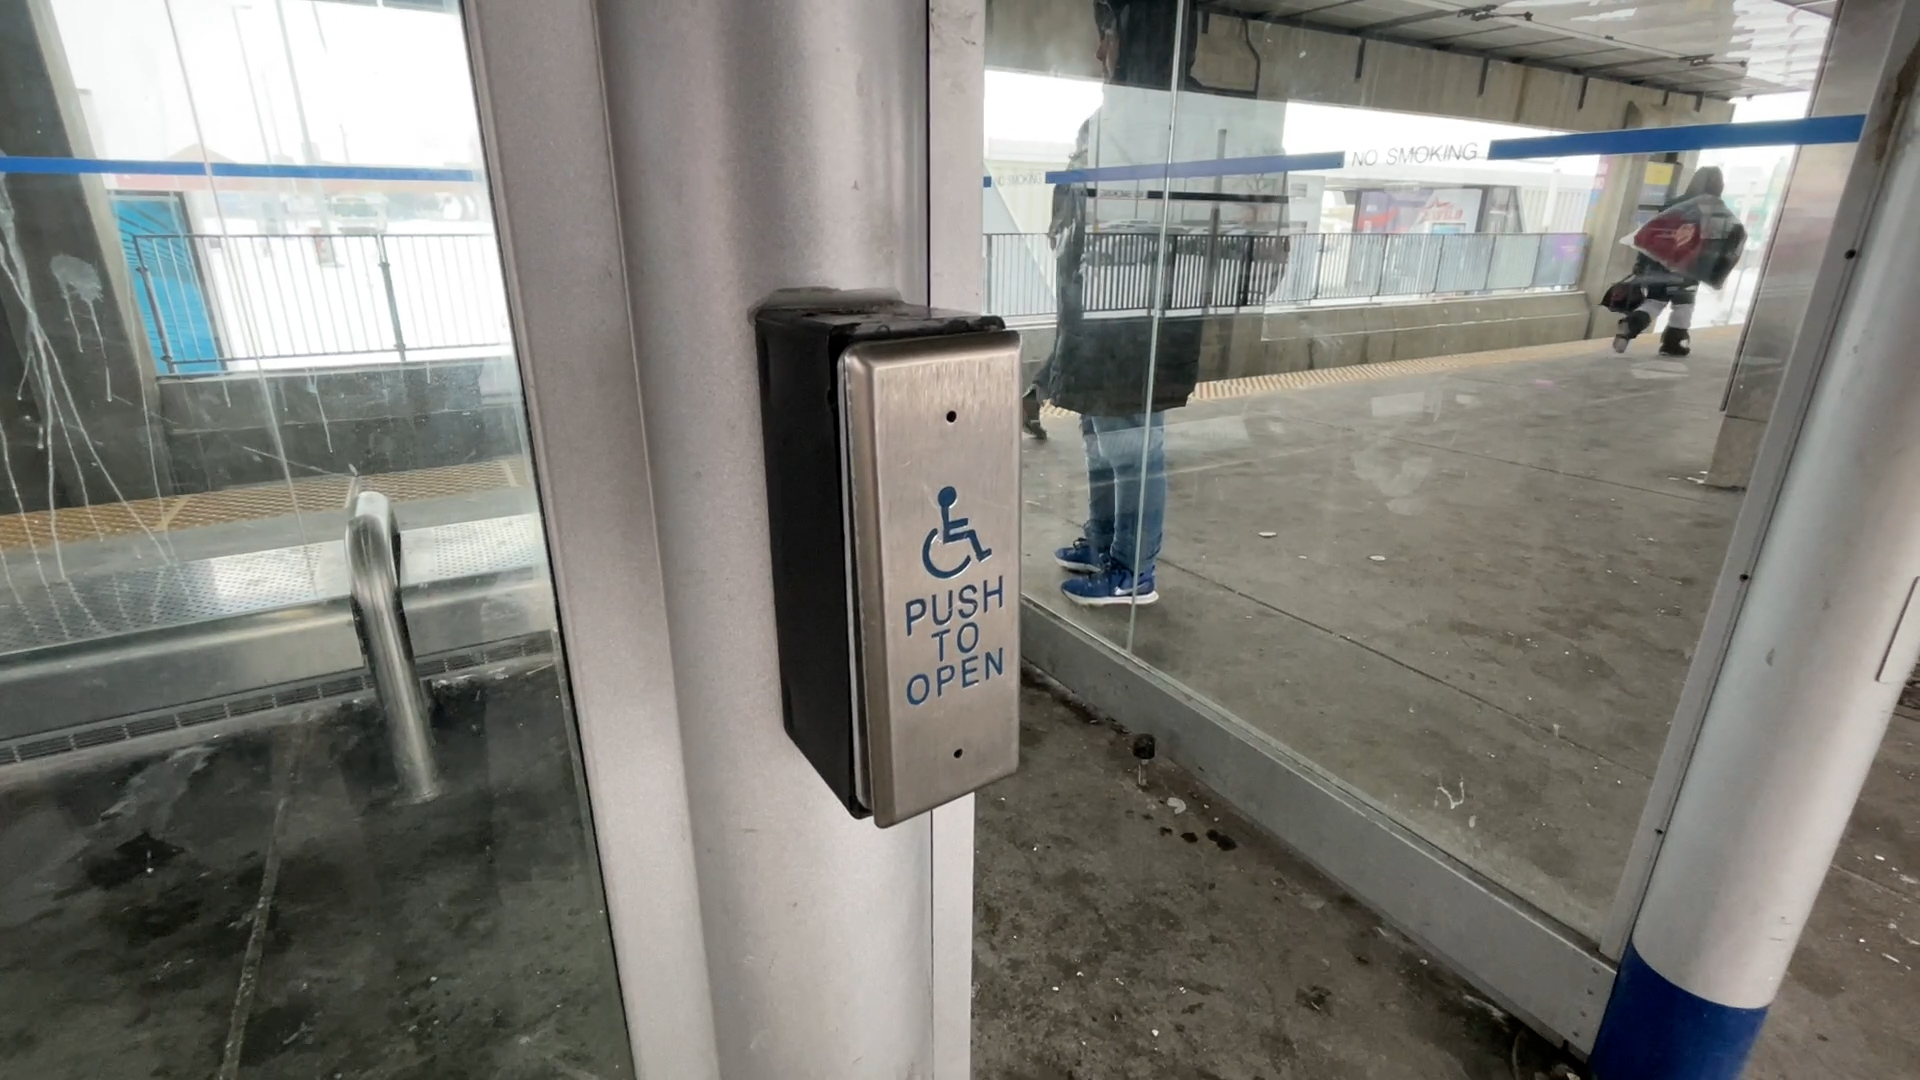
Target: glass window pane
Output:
[
  {"x": 1091, "y": 256},
  {"x": 1425, "y": 520},
  {"x": 250, "y": 288}
]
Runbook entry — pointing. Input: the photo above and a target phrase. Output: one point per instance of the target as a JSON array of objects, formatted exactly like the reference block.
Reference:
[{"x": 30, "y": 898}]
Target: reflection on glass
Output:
[
  {"x": 1326, "y": 391},
  {"x": 1106, "y": 363},
  {"x": 248, "y": 281}
]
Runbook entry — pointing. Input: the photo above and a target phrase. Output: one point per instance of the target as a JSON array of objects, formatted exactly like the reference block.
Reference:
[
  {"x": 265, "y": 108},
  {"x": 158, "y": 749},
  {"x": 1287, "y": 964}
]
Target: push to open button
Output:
[
  {"x": 893, "y": 485},
  {"x": 933, "y": 471}
]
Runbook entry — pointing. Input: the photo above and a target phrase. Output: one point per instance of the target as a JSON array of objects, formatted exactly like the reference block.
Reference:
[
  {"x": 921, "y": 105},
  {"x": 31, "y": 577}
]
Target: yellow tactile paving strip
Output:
[
  {"x": 253, "y": 502},
  {"x": 1252, "y": 385}
]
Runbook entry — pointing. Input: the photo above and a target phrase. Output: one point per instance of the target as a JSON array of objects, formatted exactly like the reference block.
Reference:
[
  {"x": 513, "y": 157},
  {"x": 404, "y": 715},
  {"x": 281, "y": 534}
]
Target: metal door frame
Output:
[
  {"x": 824, "y": 946},
  {"x": 550, "y": 173},
  {"x": 956, "y": 123}
]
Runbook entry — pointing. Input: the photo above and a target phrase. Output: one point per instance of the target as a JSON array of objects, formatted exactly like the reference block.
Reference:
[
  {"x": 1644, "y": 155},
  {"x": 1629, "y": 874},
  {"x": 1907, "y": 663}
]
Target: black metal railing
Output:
[
  {"x": 1205, "y": 272},
  {"x": 212, "y": 302}
]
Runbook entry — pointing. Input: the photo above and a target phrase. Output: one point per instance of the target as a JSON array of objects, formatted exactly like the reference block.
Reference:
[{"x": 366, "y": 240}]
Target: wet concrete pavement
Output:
[
  {"x": 263, "y": 906},
  {"x": 1117, "y": 937}
]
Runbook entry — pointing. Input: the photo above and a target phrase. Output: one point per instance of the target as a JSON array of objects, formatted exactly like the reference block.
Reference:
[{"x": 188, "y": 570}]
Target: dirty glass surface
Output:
[
  {"x": 249, "y": 287},
  {"x": 1328, "y": 391}
]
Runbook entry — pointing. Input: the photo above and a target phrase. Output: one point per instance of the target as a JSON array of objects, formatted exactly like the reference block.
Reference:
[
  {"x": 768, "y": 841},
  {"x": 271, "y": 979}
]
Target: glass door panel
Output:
[
  {"x": 1324, "y": 387},
  {"x": 289, "y": 779}
]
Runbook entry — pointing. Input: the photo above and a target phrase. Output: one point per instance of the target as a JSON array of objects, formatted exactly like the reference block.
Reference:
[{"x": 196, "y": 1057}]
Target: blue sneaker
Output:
[
  {"x": 1113, "y": 584},
  {"x": 1079, "y": 558}
]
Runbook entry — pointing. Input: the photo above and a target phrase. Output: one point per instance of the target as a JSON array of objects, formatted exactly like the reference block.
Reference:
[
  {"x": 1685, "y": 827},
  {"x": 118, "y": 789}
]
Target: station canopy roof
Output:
[{"x": 1722, "y": 49}]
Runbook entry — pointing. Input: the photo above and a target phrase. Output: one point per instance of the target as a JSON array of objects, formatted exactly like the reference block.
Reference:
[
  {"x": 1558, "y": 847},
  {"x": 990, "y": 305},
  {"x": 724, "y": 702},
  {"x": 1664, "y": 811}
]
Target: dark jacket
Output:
[{"x": 1101, "y": 361}]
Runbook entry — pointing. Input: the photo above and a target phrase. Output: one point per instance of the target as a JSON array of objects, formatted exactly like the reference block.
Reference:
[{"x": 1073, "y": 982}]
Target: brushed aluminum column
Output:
[{"x": 761, "y": 145}]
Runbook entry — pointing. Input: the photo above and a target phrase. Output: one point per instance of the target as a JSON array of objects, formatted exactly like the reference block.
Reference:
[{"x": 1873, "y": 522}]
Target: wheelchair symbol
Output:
[{"x": 951, "y": 530}]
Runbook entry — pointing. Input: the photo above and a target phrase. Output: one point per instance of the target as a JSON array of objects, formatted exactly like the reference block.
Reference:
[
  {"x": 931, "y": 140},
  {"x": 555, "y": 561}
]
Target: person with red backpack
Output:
[{"x": 1693, "y": 240}]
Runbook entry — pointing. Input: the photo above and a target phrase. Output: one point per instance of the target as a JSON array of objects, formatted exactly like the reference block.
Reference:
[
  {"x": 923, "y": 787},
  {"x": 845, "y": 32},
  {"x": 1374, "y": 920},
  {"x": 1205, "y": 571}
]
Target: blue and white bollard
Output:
[
  {"x": 1656, "y": 1029},
  {"x": 1828, "y": 634}
]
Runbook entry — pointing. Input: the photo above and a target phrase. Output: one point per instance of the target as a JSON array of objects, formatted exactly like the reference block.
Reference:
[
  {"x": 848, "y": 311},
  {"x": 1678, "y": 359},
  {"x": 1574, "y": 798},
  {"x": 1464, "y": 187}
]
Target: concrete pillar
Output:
[
  {"x": 85, "y": 430},
  {"x": 1610, "y": 218}
]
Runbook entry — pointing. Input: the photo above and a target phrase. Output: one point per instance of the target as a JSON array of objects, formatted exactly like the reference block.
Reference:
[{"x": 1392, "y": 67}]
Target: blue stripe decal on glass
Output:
[
  {"x": 341, "y": 172},
  {"x": 1188, "y": 170},
  {"x": 1812, "y": 131},
  {"x": 1654, "y": 1030},
  {"x": 54, "y": 166},
  {"x": 60, "y": 166}
]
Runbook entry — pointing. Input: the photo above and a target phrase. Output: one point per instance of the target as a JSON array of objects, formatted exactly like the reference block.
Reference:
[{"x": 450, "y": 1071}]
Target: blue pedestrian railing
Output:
[{"x": 211, "y": 303}]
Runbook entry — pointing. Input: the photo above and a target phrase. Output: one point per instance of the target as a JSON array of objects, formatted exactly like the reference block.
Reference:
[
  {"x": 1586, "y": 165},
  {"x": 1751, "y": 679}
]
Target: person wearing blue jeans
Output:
[
  {"x": 1126, "y": 511},
  {"x": 1118, "y": 369}
]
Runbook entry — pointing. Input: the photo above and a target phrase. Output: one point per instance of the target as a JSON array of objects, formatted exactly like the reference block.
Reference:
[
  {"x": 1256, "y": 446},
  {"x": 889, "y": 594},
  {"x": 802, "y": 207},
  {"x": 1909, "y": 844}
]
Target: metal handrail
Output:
[{"x": 373, "y": 575}]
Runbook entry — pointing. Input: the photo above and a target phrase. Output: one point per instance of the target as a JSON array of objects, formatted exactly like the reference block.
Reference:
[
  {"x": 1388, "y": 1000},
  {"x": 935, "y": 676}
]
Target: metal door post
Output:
[{"x": 1820, "y": 651}]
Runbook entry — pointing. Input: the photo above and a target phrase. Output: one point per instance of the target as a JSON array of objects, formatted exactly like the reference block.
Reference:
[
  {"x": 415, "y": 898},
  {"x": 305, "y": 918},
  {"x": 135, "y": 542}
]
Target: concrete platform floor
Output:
[
  {"x": 1472, "y": 595},
  {"x": 1116, "y": 938},
  {"x": 263, "y": 907}
]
